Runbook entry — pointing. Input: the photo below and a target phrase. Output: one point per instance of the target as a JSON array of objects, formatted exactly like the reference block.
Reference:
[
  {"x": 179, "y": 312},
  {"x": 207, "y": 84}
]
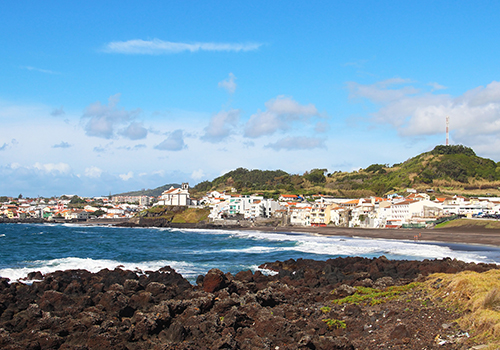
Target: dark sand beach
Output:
[{"x": 464, "y": 235}]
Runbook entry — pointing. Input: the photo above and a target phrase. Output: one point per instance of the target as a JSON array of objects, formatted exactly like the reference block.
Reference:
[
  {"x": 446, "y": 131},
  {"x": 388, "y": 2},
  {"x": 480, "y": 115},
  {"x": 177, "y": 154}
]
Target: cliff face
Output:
[{"x": 293, "y": 309}]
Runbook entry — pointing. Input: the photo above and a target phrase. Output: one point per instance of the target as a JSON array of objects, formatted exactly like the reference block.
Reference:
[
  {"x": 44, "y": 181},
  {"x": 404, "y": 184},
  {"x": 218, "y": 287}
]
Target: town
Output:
[{"x": 407, "y": 210}]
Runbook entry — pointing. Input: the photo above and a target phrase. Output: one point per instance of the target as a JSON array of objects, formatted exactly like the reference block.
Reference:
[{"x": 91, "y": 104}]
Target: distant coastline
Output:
[{"x": 471, "y": 234}]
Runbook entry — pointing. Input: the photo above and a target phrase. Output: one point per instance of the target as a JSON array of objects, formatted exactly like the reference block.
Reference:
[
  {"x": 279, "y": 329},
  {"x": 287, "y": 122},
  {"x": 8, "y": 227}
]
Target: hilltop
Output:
[
  {"x": 445, "y": 169},
  {"x": 149, "y": 192}
]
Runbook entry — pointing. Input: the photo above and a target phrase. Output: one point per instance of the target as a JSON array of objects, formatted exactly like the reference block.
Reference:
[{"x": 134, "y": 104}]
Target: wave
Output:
[
  {"x": 352, "y": 246},
  {"x": 188, "y": 270},
  {"x": 254, "y": 250}
]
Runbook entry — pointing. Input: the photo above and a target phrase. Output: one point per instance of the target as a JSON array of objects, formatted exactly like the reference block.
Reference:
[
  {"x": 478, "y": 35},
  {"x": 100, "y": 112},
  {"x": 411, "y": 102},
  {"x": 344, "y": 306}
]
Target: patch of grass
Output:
[
  {"x": 375, "y": 296},
  {"x": 326, "y": 309},
  {"x": 489, "y": 224},
  {"x": 475, "y": 294},
  {"x": 191, "y": 215},
  {"x": 334, "y": 323}
]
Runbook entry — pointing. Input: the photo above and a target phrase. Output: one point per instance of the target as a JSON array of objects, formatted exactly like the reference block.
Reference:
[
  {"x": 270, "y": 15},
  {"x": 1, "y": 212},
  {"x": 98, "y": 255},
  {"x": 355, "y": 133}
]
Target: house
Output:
[
  {"x": 288, "y": 198},
  {"x": 79, "y": 214},
  {"x": 321, "y": 214},
  {"x": 300, "y": 216},
  {"x": 175, "y": 196}
]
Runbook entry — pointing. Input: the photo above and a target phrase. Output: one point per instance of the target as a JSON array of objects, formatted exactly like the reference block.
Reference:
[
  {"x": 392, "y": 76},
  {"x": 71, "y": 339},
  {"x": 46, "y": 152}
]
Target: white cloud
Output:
[
  {"x": 280, "y": 113},
  {"x": 104, "y": 120},
  {"x": 174, "y": 142},
  {"x": 229, "y": 84},
  {"x": 61, "y": 168},
  {"x": 93, "y": 172},
  {"x": 135, "y": 131},
  {"x": 297, "y": 143},
  {"x": 197, "y": 174},
  {"x": 127, "y": 176},
  {"x": 156, "y": 47},
  {"x": 8, "y": 145},
  {"x": 286, "y": 106},
  {"x": 474, "y": 116},
  {"x": 380, "y": 92},
  {"x": 437, "y": 86},
  {"x": 221, "y": 125}
]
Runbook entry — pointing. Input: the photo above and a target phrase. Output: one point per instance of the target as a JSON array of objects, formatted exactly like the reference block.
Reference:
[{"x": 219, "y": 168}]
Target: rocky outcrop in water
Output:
[{"x": 292, "y": 309}]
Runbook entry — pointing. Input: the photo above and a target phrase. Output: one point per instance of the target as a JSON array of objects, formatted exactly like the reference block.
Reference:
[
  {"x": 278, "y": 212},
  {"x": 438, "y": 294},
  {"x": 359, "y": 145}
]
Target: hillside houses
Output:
[
  {"x": 393, "y": 211},
  {"x": 62, "y": 210},
  {"x": 373, "y": 212}
]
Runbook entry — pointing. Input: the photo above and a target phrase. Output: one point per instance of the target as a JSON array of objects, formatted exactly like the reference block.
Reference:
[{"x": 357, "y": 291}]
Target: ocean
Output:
[{"x": 46, "y": 248}]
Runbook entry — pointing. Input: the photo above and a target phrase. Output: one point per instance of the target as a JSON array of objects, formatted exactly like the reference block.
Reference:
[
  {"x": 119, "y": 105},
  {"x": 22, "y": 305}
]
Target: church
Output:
[{"x": 175, "y": 196}]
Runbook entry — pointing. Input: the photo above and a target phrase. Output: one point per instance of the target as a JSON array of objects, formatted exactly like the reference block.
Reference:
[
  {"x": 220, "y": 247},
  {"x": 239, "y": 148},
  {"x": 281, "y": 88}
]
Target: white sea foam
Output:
[
  {"x": 48, "y": 266},
  {"x": 264, "y": 271},
  {"x": 347, "y": 246},
  {"x": 254, "y": 250}
]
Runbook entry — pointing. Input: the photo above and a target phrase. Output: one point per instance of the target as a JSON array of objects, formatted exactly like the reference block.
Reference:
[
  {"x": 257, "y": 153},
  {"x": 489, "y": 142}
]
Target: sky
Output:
[{"x": 101, "y": 97}]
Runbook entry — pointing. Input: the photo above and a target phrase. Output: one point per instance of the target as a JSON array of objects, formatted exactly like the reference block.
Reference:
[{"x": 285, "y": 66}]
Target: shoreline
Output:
[
  {"x": 469, "y": 235},
  {"x": 464, "y": 235}
]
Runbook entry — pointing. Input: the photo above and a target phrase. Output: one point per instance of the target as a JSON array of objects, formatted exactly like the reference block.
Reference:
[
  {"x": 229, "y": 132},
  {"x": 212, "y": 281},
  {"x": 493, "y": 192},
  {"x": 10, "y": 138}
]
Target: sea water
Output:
[{"x": 46, "y": 248}]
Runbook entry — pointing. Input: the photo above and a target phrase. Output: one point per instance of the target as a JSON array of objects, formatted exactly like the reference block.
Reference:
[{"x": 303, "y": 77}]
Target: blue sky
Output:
[{"x": 112, "y": 96}]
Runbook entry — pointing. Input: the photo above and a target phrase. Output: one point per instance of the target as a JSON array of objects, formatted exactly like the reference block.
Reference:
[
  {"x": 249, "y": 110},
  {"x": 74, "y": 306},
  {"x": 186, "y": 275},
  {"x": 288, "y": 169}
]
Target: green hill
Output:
[
  {"x": 446, "y": 170},
  {"x": 154, "y": 192}
]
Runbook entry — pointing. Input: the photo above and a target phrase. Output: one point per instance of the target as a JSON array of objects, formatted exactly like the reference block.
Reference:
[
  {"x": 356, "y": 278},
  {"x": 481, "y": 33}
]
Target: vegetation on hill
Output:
[
  {"x": 445, "y": 169},
  {"x": 244, "y": 178},
  {"x": 149, "y": 192}
]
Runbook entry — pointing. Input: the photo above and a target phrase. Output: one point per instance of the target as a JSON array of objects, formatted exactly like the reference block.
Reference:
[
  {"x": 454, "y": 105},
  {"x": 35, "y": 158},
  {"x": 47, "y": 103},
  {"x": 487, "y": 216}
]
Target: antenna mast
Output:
[{"x": 447, "y": 130}]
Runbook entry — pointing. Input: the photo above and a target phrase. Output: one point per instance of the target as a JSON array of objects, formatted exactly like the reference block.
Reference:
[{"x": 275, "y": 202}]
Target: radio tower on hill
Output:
[{"x": 447, "y": 130}]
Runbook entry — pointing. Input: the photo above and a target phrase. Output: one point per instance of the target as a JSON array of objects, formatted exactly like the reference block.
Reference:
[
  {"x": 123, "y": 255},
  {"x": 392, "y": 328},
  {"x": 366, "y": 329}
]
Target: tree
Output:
[
  {"x": 99, "y": 212},
  {"x": 316, "y": 176},
  {"x": 76, "y": 200}
]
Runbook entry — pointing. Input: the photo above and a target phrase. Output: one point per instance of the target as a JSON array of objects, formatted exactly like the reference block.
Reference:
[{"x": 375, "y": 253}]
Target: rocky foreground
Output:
[{"x": 292, "y": 309}]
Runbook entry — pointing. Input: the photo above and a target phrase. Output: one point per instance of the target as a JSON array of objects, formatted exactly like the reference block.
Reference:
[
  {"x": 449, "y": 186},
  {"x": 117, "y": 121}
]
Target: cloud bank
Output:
[
  {"x": 297, "y": 143},
  {"x": 474, "y": 115},
  {"x": 221, "y": 126},
  {"x": 174, "y": 142},
  {"x": 279, "y": 115},
  {"x": 105, "y": 120}
]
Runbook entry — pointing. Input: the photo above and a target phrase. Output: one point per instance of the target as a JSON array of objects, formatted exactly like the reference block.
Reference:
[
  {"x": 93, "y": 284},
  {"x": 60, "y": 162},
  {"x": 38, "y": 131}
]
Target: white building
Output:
[
  {"x": 300, "y": 215},
  {"x": 175, "y": 196}
]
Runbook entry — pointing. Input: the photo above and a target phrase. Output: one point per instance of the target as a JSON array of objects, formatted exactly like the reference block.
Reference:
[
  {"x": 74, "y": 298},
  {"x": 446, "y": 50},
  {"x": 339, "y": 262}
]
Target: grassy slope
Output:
[
  {"x": 176, "y": 214},
  {"x": 475, "y": 294},
  {"x": 448, "y": 173},
  {"x": 447, "y": 170},
  {"x": 488, "y": 224}
]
